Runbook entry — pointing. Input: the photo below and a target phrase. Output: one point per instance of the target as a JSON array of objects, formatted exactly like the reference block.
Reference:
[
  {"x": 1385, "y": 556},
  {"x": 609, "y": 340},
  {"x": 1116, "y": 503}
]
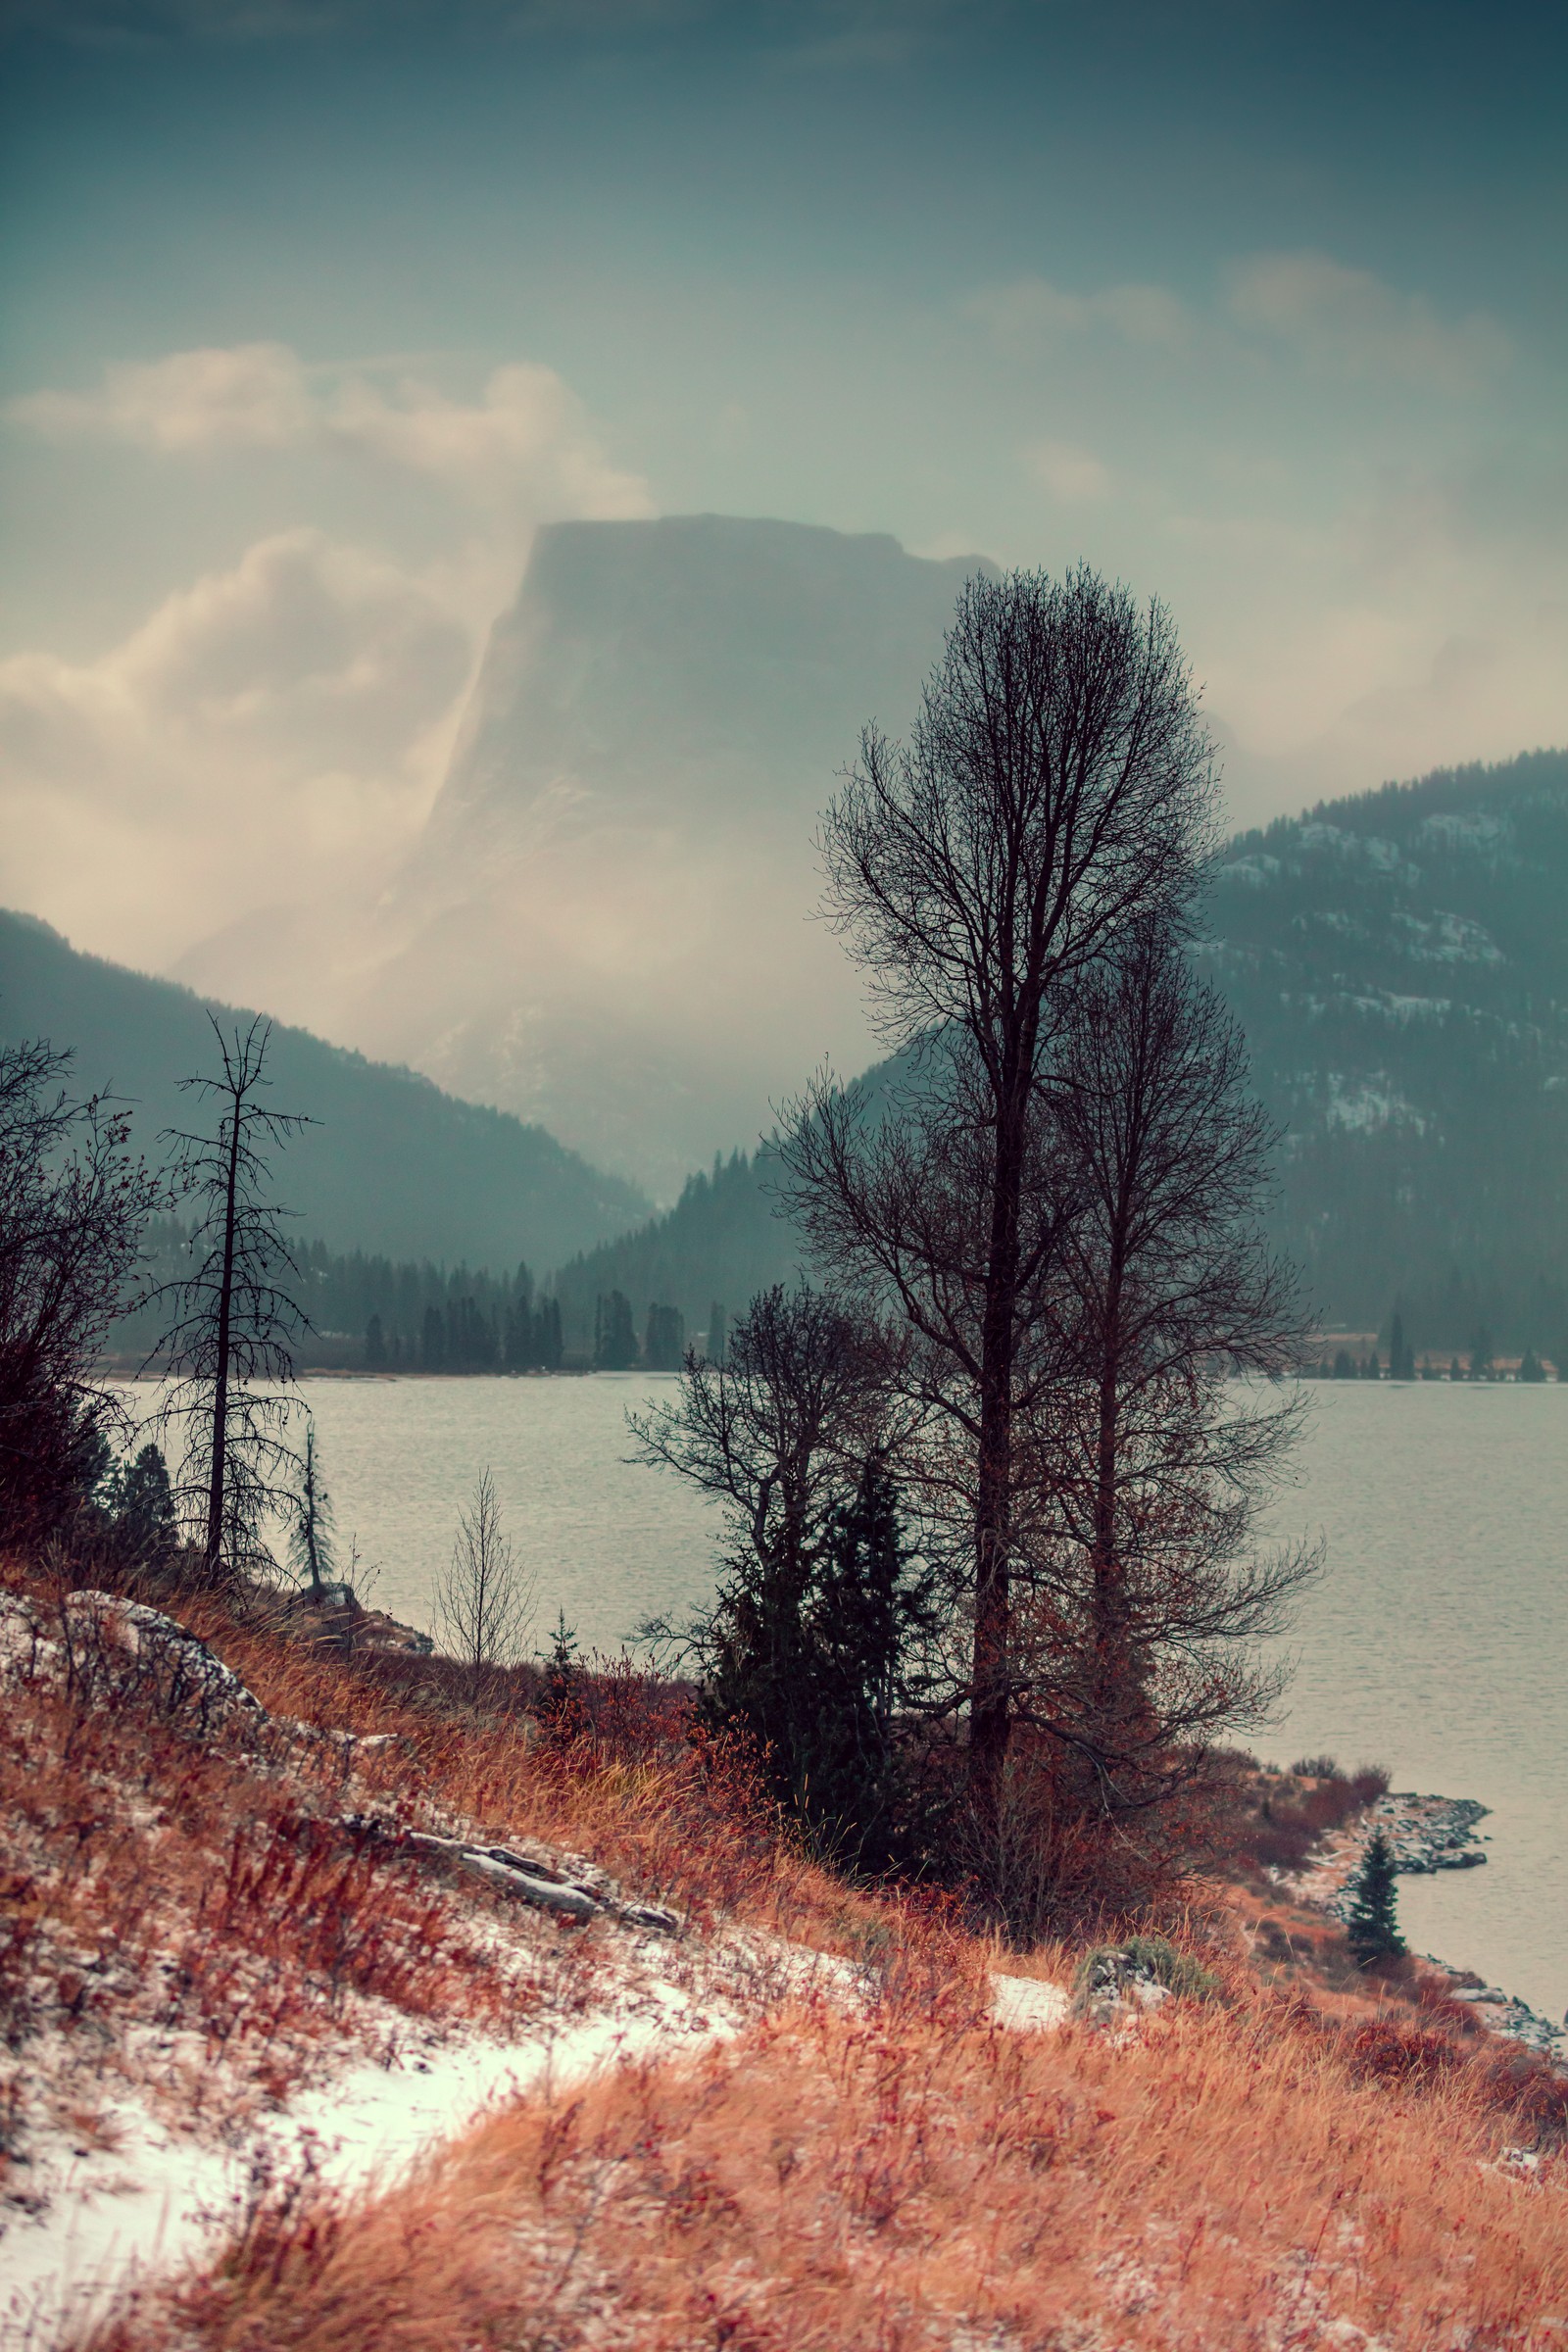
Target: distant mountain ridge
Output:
[
  {"x": 1399, "y": 962},
  {"x": 394, "y": 1165}
]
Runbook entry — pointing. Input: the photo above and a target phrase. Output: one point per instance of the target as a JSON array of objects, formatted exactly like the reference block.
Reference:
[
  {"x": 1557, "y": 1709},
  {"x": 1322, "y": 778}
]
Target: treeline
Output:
[
  {"x": 363, "y": 1308},
  {"x": 372, "y": 1311},
  {"x": 722, "y": 1240}
]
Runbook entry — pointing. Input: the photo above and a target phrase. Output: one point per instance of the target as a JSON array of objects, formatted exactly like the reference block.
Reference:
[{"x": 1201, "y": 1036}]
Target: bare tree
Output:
[
  {"x": 1146, "y": 1596},
  {"x": 1056, "y": 786},
  {"x": 228, "y": 1350},
  {"x": 778, "y": 1433},
  {"x": 73, "y": 1203},
  {"x": 483, "y": 1601}
]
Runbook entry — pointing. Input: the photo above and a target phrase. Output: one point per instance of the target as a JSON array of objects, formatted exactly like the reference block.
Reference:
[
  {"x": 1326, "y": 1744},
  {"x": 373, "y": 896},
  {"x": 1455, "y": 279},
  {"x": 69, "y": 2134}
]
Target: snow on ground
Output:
[{"x": 159, "y": 2198}]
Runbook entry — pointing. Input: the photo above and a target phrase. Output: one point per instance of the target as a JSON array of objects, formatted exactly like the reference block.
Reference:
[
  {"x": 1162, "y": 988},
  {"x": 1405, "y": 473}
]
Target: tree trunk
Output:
[
  {"x": 989, "y": 1706},
  {"x": 213, "y": 1558}
]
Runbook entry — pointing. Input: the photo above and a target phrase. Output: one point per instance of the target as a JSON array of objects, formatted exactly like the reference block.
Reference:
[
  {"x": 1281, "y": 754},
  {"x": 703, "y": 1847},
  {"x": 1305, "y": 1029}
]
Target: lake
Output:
[{"x": 1437, "y": 1643}]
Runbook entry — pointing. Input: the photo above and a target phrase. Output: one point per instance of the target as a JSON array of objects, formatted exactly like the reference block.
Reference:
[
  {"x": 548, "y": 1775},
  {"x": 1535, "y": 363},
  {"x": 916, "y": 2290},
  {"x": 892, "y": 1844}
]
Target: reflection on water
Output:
[{"x": 1435, "y": 1642}]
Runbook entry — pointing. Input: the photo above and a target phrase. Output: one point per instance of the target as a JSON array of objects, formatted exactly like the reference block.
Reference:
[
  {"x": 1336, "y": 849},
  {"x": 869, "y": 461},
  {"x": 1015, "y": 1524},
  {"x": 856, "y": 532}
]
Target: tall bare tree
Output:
[
  {"x": 1166, "y": 1429},
  {"x": 228, "y": 1349},
  {"x": 1056, "y": 786},
  {"x": 75, "y": 1201}
]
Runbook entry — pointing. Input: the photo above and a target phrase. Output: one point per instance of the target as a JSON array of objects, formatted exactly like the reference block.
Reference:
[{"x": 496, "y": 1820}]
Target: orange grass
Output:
[
  {"x": 198, "y": 1881},
  {"x": 677, "y": 1819},
  {"x": 1223, "y": 2180}
]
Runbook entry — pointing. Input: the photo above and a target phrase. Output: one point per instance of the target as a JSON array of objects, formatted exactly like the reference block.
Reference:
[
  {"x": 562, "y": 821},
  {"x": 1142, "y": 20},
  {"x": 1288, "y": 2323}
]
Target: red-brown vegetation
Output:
[{"x": 1227, "y": 2176}]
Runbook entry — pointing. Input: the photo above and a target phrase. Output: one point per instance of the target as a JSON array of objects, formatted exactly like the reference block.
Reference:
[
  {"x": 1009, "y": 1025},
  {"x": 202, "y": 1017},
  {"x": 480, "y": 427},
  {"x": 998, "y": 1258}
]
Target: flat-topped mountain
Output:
[{"x": 607, "y": 924}]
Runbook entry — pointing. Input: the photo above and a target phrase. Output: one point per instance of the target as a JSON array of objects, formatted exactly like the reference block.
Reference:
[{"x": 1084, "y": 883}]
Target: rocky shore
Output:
[{"x": 1427, "y": 1833}]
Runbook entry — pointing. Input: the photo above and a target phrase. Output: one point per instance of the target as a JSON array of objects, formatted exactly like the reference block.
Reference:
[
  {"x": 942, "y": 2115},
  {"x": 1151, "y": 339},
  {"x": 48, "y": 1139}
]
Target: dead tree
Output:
[
  {"x": 227, "y": 1352},
  {"x": 75, "y": 1201},
  {"x": 312, "y": 1534},
  {"x": 1056, "y": 786}
]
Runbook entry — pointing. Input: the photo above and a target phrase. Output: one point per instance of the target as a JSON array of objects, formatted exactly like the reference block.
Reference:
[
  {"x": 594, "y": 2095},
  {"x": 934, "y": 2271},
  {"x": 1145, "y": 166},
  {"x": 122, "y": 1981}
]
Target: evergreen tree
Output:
[
  {"x": 1531, "y": 1367},
  {"x": 1401, "y": 1355},
  {"x": 433, "y": 1342},
  {"x": 145, "y": 1515},
  {"x": 870, "y": 1611},
  {"x": 550, "y": 1340},
  {"x": 614, "y": 1334},
  {"x": 664, "y": 1349},
  {"x": 375, "y": 1344},
  {"x": 1372, "y": 1921},
  {"x": 718, "y": 1332},
  {"x": 560, "y": 1706},
  {"x": 1481, "y": 1354},
  {"x": 520, "y": 1346},
  {"x": 1343, "y": 1365}
]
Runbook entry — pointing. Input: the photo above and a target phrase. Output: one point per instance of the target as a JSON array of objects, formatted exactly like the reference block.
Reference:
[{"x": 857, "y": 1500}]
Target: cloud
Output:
[
  {"x": 253, "y": 396},
  {"x": 1072, "y": 474},
  {"x": 1027, "y": 308},
  {"x": 526, "y": 439},
  {"x": 275, "y": 726},
  {"x": 1352, "y": 324}
]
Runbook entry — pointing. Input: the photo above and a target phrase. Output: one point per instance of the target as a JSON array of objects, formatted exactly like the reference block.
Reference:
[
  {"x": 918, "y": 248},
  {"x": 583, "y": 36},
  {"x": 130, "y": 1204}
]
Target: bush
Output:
[{"x": 1153, "y": 1959}]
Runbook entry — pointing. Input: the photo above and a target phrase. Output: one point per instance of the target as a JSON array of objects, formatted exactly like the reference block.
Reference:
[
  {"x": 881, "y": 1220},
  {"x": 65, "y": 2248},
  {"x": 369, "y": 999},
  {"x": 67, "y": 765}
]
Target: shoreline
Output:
[{"x": 1426, "y": 1834}]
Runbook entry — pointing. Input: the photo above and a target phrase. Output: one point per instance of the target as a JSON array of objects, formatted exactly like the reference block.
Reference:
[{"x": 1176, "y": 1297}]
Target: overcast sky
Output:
[{"x": 317, "y": 309}]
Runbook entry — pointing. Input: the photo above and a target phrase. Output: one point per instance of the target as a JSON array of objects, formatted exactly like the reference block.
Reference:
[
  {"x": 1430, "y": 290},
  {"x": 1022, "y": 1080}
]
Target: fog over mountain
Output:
[{"x": 607, "y": 923}]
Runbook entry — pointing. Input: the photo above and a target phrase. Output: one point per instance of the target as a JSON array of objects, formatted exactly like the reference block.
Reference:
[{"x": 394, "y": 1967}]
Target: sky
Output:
[{"x": 317, "y": 309}]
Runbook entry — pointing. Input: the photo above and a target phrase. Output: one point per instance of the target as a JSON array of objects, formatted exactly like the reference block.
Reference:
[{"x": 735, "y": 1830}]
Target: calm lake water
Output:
[{"x": 1437, "y": 1643}]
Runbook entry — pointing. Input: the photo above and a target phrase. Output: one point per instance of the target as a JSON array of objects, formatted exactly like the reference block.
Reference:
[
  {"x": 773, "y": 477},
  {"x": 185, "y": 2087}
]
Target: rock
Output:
[{"x": 139, "y": 1647}]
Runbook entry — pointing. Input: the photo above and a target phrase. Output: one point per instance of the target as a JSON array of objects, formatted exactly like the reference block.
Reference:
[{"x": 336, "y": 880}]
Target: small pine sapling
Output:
[
  {"x": 560, "y": 1709},
  {"x": 1372, "y": 1923}
]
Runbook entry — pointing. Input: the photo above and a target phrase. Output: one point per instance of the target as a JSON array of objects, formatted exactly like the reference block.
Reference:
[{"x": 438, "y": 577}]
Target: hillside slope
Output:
[
  {"x": 393, "y": 1165},
  {"x": 1400, "y": 963},
  {"x": 336, "y": 2012}
]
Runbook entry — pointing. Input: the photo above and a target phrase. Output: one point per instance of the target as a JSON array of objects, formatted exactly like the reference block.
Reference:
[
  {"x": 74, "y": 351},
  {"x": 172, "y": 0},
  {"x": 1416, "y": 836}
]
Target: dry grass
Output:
[
  {"x": 677, "y": 1818},
  {"x": 1226, "y": 2178},
  {"x": 1312, "y": 2156},
  {"x": 189, "y": 1888}
]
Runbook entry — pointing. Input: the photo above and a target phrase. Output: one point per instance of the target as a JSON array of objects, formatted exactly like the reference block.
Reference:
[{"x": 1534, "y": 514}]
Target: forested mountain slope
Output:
[
  {"x": 1400, "y": 963},
  {"x": 394, "y": 1164}
]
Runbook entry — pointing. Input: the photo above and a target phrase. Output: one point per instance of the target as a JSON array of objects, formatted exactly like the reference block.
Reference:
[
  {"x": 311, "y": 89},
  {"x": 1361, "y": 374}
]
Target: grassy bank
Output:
[{"x": 209, "y": 1906}]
